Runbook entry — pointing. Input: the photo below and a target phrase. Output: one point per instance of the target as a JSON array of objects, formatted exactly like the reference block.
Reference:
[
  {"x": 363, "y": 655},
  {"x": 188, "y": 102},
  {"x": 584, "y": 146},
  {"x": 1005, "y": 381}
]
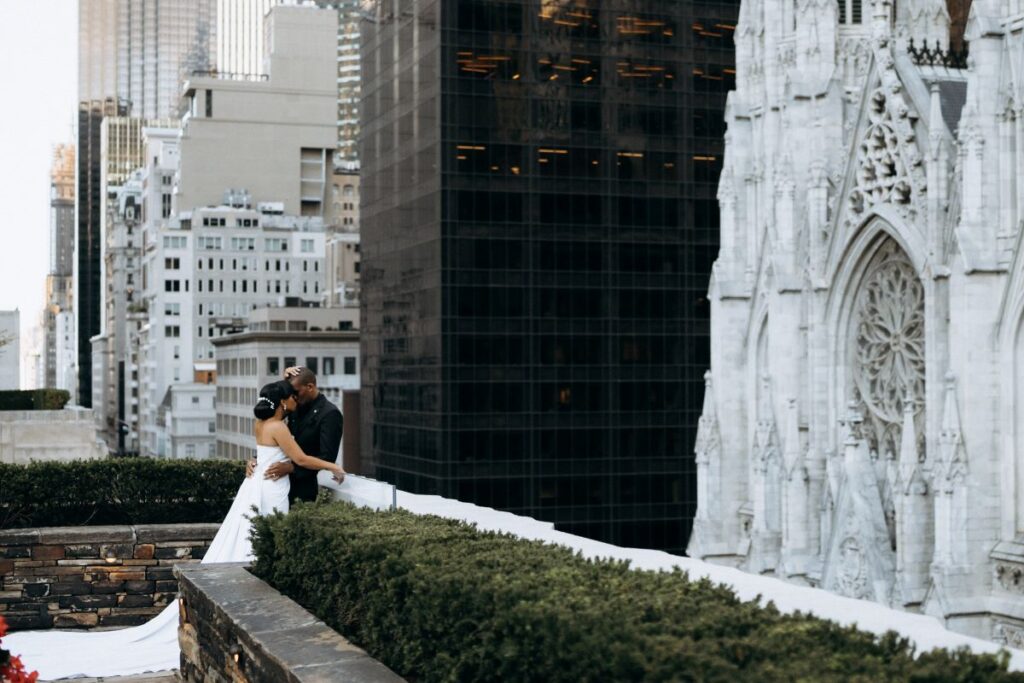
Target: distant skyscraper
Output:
[
  {"x": 89, "y": 244},
  {"x": 240, "y": 35},
  {"x": 97, "y": 49},
  {"x": 538, "y": 223},
  {"x": 59, "y": 283},
  {"x": 159, "y": 44},
  {"x": 133, "y": 57}
]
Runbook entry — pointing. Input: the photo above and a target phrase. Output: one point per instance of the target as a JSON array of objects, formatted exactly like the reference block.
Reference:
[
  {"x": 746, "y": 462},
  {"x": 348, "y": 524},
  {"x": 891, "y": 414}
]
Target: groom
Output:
[{"x": 316, "y": 425}]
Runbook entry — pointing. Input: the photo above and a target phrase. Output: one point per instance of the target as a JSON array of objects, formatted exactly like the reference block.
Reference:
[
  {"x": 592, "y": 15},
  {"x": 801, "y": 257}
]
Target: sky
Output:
[{"x": 38, "y": 43}]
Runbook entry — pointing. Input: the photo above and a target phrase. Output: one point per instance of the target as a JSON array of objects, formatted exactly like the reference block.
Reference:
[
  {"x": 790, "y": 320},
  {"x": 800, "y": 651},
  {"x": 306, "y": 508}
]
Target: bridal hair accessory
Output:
[{"x": 264, "y": 398}]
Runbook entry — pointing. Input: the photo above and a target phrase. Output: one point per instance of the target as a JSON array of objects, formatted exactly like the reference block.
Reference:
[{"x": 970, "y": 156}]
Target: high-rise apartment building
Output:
[
  {"x": 121, "y": 158},
  {"x": 538, "y": 222}
]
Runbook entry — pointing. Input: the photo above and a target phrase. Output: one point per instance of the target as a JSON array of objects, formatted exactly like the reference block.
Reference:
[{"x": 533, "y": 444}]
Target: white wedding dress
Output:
[{"x": 153, "y": 646}]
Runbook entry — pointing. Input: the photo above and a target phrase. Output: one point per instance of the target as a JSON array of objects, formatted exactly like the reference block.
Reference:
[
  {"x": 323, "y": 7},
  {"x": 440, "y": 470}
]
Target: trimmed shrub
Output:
[
  {"x": 37, "y": 399},
  {"x": 117, "y": 491},
  {"x": 438, "y": 600}
]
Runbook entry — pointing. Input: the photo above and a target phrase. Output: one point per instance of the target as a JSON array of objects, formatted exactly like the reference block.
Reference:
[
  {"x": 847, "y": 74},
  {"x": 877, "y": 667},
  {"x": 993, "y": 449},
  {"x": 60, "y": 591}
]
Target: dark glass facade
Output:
[
  {"x": 89, "y": 242},
  {"x": 538, "y": 224}
]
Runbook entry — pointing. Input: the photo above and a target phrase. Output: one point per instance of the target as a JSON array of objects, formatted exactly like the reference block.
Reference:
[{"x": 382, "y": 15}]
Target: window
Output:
[
  {"x": 273, "y": 366},
  {"x": 190, "y": 450},
  {"x": 172, "y": 285},
  {"x": 172, "y": 309},
  {"x": 208, "y": 242},
  {"x": 172, "y": 263},
  {"x": 311, "y": 363},
  {"x": 289, "y": 361},
  {"x": 328, "y": 365},
  {"x": 209, "y": 103},
  {"x": 307, "y": 246},
  {"x": 350, "y": 365},
  {"x": 175, "y": 242},
  {"x": 243, "y": 243},
  {"x": 172, "y": 331},
  {"x": 275, "y": 244},
  {"x": 195, "y": 400},
  {"x": 165, "y": 205}
]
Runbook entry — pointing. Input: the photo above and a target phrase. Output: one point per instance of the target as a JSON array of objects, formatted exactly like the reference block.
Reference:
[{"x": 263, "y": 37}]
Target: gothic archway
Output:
[{"x": 886, "y": 362}]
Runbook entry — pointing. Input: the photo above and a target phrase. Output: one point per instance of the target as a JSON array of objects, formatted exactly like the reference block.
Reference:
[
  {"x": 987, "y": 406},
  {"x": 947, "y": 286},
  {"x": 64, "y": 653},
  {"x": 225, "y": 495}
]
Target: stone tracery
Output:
[{"x": 887, "y": 345}]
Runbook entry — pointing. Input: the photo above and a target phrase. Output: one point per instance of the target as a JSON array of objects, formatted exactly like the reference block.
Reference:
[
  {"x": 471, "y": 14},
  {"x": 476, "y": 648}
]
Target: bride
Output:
[{"x": 153, "y": 646}]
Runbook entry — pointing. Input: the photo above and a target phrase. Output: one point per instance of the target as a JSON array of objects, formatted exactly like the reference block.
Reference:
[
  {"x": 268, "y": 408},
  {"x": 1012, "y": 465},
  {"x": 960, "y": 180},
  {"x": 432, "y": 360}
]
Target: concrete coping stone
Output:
[
  {"x": 142, "y": 533},
  {"x": 279, "y": 629}
]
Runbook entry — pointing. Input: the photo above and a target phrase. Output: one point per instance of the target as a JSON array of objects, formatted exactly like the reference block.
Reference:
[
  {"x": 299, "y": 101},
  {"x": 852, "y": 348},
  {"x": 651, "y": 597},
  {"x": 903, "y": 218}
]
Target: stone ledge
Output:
[{"x": 227, "y": 609}]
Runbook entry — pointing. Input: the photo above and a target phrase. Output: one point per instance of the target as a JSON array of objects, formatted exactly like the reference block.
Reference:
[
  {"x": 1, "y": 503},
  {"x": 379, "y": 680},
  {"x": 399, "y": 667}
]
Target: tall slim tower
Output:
[
  {"x": 538, "y": 224},
  {"x": 58, "y": 369}
]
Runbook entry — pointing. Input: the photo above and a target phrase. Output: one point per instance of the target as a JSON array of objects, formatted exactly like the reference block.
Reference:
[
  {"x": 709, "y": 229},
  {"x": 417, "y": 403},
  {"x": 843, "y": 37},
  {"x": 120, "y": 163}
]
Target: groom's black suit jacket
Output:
[{"x": 317, "y": 428}]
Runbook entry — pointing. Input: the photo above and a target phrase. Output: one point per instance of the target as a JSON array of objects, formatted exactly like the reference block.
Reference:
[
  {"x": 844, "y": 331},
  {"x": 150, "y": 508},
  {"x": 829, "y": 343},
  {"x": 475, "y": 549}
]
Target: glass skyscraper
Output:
[{"x": 538, "y": 226}]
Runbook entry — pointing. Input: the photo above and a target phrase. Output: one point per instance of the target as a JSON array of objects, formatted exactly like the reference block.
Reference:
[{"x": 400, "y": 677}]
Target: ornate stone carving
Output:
[
  {"x": 888, "y": 345},
  {"x": 1009, "y": 635},
  {"x": 1010, "y": 577},
  {"x": 882, "y": 174},
  {"x": 851, "y": 575}
]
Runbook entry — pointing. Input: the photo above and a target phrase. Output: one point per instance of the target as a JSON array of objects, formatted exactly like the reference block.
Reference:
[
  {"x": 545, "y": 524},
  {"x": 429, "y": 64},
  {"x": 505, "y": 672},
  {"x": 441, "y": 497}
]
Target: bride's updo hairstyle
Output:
[{"x": 271, "y": 396}]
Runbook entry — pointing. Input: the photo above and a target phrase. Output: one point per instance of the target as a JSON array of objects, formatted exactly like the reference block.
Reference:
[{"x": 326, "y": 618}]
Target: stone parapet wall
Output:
[
  {"x": 49, "y": 436},
  {"x": 101, "y": 576},
  {"x": 235, "y": 627}
]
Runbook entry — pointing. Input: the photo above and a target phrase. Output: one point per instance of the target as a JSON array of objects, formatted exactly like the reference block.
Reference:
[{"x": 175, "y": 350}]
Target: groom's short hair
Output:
[{"x": 304, "y": 376}]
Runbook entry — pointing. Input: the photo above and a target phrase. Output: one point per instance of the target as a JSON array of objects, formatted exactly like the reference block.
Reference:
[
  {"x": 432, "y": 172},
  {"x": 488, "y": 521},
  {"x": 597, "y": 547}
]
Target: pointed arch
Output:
[{"x": 877, "y": 231}]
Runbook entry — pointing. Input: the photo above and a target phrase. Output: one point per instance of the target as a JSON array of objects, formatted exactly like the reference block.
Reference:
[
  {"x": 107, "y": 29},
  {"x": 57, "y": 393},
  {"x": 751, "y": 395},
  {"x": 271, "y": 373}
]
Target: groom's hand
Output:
[
  {"x": 279, "y": 469},
  {"x": 292, "y": 371},
  {"x": 250, "y": 467}
]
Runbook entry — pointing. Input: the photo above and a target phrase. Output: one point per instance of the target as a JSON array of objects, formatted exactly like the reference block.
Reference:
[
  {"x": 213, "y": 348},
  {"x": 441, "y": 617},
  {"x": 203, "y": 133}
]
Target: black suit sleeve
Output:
[{"x": 330, "y": 435}]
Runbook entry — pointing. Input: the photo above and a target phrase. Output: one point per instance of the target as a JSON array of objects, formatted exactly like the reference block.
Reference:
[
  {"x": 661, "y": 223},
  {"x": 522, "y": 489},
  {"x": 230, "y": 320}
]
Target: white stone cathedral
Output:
[{"x": 863, "y": 424}]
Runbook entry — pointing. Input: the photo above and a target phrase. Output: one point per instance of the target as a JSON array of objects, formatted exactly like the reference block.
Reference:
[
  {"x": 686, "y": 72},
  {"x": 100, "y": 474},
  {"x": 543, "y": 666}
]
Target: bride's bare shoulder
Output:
[{"x": 275, "y": 428}]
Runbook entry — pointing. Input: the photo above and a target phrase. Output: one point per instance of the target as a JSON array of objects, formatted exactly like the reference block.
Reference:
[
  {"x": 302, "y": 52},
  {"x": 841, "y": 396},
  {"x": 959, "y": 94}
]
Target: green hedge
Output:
[
  {"x": 437, "y": 600},
  {"x": 117, "y": 491},
  {"x": 37, "y": 399}
]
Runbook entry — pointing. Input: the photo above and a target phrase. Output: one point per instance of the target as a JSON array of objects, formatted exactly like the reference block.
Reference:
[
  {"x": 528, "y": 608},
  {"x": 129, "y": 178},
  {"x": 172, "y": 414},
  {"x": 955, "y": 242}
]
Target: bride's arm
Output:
[{"x": 283, "y": 438}]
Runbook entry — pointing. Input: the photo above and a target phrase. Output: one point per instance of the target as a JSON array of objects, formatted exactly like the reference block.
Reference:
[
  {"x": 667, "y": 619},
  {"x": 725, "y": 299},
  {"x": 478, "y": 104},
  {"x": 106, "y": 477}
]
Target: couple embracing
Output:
[{"x": 298, "y": 431}]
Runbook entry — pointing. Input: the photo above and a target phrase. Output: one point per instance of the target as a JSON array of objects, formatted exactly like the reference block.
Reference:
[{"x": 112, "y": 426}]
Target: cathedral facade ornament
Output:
[{"x": 873, "y": 210}]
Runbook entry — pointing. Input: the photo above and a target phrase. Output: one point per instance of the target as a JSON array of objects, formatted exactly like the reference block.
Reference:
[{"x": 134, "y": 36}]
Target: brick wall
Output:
[{"x": 102, "y": 576}]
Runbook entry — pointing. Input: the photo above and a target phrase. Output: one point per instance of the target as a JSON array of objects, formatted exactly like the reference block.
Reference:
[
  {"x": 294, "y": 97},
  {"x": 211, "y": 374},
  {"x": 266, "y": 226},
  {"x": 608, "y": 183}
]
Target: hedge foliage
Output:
[
  {"x": 37, "y": 399},
  {"x": 438, "y": 600},
  {"x": 117, "y": 491}
]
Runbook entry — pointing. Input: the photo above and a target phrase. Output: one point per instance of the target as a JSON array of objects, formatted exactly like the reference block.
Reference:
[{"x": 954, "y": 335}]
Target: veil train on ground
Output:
[{"x": 152, "y": 646}]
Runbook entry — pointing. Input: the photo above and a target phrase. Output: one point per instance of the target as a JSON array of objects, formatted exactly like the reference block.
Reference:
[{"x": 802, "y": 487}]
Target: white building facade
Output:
[
  {"x": 204, "y": 272},
  {"x": 862, "y": 421},
  {"x": 10, "y": 349},
  {"x": 322, "y": 339}
]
